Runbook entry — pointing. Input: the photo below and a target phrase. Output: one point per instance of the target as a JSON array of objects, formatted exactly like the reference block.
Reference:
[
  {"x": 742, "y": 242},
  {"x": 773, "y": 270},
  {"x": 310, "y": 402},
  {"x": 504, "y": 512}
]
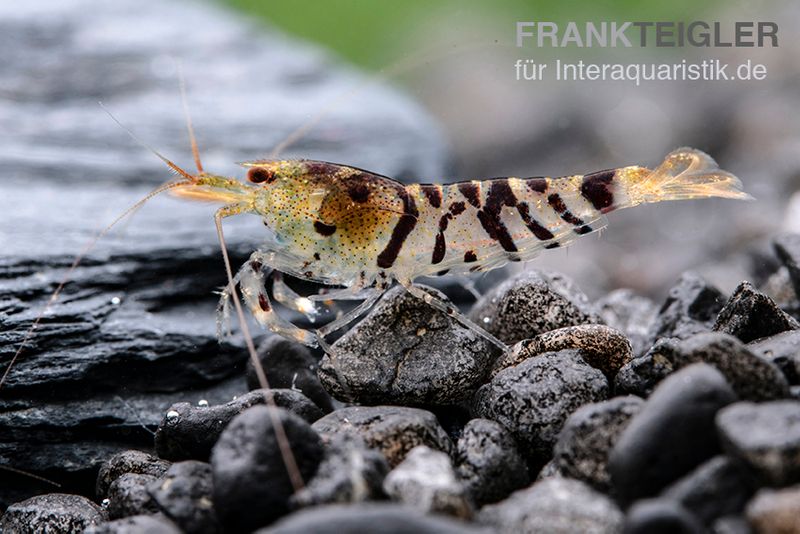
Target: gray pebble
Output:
[
  {"x": 752, "y": 377},
  {"x": 602, "y": 347},
  {"x": 766, "y": 436},
  {"x": 716, "y": 488},
  {"x": 188, "y": 432},
  {"x": 289, "y": 365},
  {"x": 53, "y": 512},
  {"x": 690, "y": 308},
  {"x": 426, "y": 481},
  {"x": 775, "y": 511},
  {"x": 252, "y": 485},
  {"x": 554, "y": 505},
  {"x": 394, "y": 430},
  {"x": 534, "y": 398},
  {"x": 783, "y": 350},
  {"x": 136, "y": 524},
  {"x": 787, "y": 248},
  {"x": 488, "y": 461},
  {"x": 349, "y": 473},
  {"x": 588, "y": 436},
  {"x": 671, "y": 434},
  {"x": 131, "y": 461},
  {"x": 751, "y": 315},
  {"x": 731, "y": 524},
  {"x": 128, "y": 496},
  {"x": 530, "y": 304},
  {"x": 631, "y": 314},
  {"x": 407, "y": 352},
  {"x": 184, "y": 494}
]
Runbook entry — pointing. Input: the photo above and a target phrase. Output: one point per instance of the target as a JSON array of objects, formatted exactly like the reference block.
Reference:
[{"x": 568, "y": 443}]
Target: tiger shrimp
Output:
[{"x": 344, "y": 226}]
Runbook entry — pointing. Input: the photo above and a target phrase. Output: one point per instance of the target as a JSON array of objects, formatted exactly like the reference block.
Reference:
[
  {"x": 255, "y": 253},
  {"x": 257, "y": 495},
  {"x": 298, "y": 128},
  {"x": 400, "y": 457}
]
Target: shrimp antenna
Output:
[{"x": 189, "y": 128}]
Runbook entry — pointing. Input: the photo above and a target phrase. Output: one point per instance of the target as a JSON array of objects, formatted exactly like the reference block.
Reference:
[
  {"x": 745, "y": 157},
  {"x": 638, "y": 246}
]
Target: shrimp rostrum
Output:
[{"x": 344, "y": 226}]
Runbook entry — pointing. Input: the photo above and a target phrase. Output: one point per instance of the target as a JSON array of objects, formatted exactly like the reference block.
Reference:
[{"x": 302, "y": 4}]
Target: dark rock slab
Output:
[
  {"x": 53, "y": 512},
  {"x": 766, "y": 437},
  {"x": 350, "y": 472},
  {"x": 137, "y": 321},
  {"x": 289, "y": 365},
  {"x": 252, "y": 485},
  {"x": 690, "y": 308},
  {"x": 589, "y": 435},
  {"x": 751, "y": 315},
  {"x": 783, "y": 350},
  {"x": 631, "y": 314},
  {"x": 136, "y": 462},
  {"x": 368, "y": 517},
  {"x": 554, "y": 505},
  {"x": 672, "y": 434},
  {"x": 532, "y": 303},
  {"x": 488, "y": 461},
  {"x": 661, "y": 516},
  {"x": 407, "y": 352},
  {"x": 752, "y": 377},
  {"x": 184, "y": 494},
  {"x": 189, "y": 432},
  {"x": 426, "y": 481},
  {"x": 534, "y": 398},
  {"x": 128, "y": 496},
  {"x": 393, "y": 430},
  {"x": 136, "y": 524},
  {"x": 775, "y": 510}
]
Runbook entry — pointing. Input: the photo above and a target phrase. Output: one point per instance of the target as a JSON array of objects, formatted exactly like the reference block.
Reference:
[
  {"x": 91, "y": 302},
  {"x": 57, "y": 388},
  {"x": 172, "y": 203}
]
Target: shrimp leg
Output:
[
  {"x": 289, "y": 298},
  {"x": 452, "y": 311},
  {"x": 342, "y": 321}
]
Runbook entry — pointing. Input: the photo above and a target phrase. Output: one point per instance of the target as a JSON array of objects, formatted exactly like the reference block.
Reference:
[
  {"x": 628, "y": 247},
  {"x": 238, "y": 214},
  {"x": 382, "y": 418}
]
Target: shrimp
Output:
[{"x": 340, "y": 225}]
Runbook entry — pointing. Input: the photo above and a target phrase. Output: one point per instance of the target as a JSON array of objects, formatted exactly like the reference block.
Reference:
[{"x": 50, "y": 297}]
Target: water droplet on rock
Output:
[
  {"x": 202, "y": 403},
  {"x": 105, "y": 503},
  {"x": 115, "y": 301},
  {"x": 172, "y": 416}
]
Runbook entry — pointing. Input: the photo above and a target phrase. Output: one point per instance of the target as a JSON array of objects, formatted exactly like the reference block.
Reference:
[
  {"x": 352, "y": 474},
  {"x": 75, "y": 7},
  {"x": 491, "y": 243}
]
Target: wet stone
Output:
[
  {"x": 407, "y": 352},
  {"x": 530, "y": 304},
  {"x": 766, "y": 437},
  {"x": 661, "y": 516},
  {"x": 349, "y": 473},
  {"x": 184, "y": 495},
  {"x": 732, "y": 524},
  {"x": 787, "y": 248},
  {"x": 783, "y": 350},
  {"x": 631, "y": 314},
  {"x": 251, "y": 482},
  {"x": 52, "y": 512},
  {"x": 752, "y": 377},
  {"x": 589, "y": 435},
  {"x": 368, "y": 517},
  {"x": 189, "y": 432},
  {"x": 534, "y": 398},
  {"x": 426, "y": 481},
  {"x": 128, "y": 496},
  {"x": 559, "y": 505},
  {"x": 672, "y": 433},
  {"x": 602, "y": 347},
  {"x": 751, "y": 315},
  {"x": 775, "y": 511},
  {"x": 716, "y": 488},
  {"x": 131, "y": 461},
  {"x": 690, "y": 308},
  {"x": 488, "y": 461},
  {"x": 289, "y": 365},
  {"x": 393, "y": 430},
  {"x": 137, "y": 524}
]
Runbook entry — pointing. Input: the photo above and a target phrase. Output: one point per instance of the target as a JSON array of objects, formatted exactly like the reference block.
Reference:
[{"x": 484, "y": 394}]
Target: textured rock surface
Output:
[
  {"x": 407, "y": 352},
  {"x": 673, "y": 433},
  {"x": 132, "y": 461},
  {"x": 135, "y": 330},
  {"x": 393, "y": 430},
  {"x": 557, "y": 505},
  {"x": 136, "y": 524},
  {"x": 53, "y": 512},
  {"x": 534, "y": 398},
  {"x": 690, "y": 308},
  {"x": 531, "y": 303},
  {"x": 751, "y": 315},
  {"x": 783, "y": 350},
  {"x": 184, "y": 494},
  {"x": 588, "y": 437},
  {"x": 128, "y": 496},
  {"x": 631, "y": 314},
  {"x": 488, "y": 461}
]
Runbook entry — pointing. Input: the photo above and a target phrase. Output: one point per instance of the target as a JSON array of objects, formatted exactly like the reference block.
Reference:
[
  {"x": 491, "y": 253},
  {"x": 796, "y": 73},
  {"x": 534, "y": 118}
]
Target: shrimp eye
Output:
[{"x": 260, "y": 175}]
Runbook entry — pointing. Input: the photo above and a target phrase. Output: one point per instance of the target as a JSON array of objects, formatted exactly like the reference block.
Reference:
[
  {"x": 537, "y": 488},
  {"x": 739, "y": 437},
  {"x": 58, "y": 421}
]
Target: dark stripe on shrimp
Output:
[
  {"x": 537, "y": 185},
  {"x": 500, "y": 194},
  {"x": 263, "y": 302},
  {"x": 324, "y": 229},
  {"x": 433, "y": 193},
  {"x": 440, "y": 246},
  {"x": 558, "y": 205},
  {"x": 596, "y": 188},
  {"x": 470, "y": 256},
  {"x": 471, "y": 192},
  {"x": 533, "y": 225},
  {"x": 401, "y": 230}
]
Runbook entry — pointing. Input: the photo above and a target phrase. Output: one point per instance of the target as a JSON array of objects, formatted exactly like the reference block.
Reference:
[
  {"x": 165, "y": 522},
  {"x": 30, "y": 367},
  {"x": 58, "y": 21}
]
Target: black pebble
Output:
[
  {"x": 184, "y": 494},
  {"x": 751, "y": 315},
  {"x": 660, "y": 516}
]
